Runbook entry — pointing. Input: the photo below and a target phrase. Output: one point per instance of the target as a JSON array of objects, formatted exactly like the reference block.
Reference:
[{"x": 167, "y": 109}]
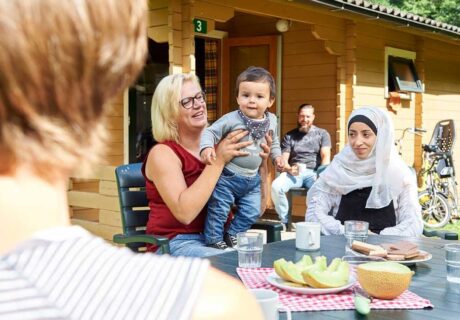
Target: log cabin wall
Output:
[
  {"x": 441, "y": 99},
  {"x": 332, "y": 59},
  {"x": 309, "y": 74}
]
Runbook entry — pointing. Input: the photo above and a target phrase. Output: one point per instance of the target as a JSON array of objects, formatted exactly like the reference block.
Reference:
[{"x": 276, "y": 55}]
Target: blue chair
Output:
[{"x": 135, "y": 212}]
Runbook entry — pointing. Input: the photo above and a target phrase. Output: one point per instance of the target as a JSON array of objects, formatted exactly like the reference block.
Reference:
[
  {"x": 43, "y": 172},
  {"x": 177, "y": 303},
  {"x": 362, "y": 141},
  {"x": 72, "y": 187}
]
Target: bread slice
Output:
[
  {"x": 364, "y": 247},
  {"x": 378, "y": 253},
  {"x": 403, "y": 246},
  {"x": 395, "y": 257}
]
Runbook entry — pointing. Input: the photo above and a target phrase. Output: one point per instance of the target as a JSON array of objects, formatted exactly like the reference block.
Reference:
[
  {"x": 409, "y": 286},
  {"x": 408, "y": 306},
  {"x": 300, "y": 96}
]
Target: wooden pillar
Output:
[
  {"x": 350, "y": 71},
  {"x": 420, "y": 66},
  {"x": 175, "y": 36}
]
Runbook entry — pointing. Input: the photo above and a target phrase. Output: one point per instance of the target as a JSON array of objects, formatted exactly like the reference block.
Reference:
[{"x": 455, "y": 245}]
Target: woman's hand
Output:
[{"x": 229, "y": 147}]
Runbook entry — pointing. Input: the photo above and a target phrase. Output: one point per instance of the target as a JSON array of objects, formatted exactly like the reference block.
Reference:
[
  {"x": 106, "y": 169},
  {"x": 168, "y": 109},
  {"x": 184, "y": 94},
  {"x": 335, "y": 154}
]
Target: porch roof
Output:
[{"x": 390, "y": 14}]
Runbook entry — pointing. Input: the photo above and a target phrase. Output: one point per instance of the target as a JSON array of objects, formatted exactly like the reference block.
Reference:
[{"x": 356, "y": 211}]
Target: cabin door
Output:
[{"x": 239, "y": 54}]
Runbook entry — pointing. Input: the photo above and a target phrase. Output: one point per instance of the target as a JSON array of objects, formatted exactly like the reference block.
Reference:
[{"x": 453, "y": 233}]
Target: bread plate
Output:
[{"x": 427, "y": 257}]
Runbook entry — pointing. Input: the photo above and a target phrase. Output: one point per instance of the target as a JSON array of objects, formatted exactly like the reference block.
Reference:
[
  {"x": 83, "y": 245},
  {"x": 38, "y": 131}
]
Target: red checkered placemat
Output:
[{"x": 255, "y": 278}]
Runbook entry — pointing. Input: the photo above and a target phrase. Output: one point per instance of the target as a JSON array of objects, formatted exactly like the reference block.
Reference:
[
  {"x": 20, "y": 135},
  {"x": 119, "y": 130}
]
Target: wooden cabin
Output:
[{"x": 334, "y": 54}]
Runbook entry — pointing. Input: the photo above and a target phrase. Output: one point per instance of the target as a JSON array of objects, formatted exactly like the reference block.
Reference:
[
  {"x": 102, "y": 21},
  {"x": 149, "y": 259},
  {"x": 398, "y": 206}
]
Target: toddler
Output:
[{"x": 239, "y": 182}]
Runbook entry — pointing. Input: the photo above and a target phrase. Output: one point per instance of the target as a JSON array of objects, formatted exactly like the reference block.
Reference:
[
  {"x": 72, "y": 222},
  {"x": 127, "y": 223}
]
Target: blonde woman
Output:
[
  {"x": 60, "y": 63},
  {"x": 178, "y": 184}
]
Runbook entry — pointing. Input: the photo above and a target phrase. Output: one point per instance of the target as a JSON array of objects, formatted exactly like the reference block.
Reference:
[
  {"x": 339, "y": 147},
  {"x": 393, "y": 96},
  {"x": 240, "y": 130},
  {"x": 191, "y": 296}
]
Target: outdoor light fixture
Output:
[{"x": 282, "y": 25}]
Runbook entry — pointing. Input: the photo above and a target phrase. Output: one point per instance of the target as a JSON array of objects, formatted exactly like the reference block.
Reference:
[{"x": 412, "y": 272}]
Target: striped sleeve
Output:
[{"x": 85, "y": 278}]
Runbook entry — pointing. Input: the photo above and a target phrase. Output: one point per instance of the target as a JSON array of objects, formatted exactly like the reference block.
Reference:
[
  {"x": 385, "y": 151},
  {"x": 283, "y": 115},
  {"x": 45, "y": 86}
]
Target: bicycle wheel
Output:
[{"x": 435, "y": 209}]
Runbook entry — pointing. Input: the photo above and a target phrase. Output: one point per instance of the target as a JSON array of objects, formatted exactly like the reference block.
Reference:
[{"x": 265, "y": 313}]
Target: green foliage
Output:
[{"x": 441, "y": 10}]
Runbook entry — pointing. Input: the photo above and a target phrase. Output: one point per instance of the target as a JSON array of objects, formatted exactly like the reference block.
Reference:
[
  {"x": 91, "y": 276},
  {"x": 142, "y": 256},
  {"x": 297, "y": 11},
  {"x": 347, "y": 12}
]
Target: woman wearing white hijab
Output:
[{"x": 367, "y": 181}]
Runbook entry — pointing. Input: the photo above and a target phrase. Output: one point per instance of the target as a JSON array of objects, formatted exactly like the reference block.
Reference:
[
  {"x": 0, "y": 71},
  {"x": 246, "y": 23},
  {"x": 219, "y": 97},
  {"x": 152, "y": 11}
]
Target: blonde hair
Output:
[
  {"x": 60, "y": 63},
  {"x": 165, "y": 106}
]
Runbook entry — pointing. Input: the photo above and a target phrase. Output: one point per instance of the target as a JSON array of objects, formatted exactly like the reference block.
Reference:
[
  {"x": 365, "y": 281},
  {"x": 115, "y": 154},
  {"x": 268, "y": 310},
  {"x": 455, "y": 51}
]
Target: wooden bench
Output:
[{"x": 301, "y": 192}]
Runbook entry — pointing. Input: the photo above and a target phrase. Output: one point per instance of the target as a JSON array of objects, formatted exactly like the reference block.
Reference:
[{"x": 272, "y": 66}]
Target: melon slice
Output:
[
  {"x": 384, "y": 280},
  {"x": 277, "y": 266},
  {"x": 304, "y": 263},
  {"x": 336, "y": 275},
  {"x": 292, "y": 273}
]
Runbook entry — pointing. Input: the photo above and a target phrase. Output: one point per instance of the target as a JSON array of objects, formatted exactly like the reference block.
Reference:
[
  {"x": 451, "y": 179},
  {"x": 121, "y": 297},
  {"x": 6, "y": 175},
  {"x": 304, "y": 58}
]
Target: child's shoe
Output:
[
  {"x": 218, "y": 245},
  {"x": 230, "y": 240}
]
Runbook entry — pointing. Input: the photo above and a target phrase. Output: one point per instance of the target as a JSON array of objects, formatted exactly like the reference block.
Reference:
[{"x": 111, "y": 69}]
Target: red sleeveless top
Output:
[{"x": 161, "y": 221}]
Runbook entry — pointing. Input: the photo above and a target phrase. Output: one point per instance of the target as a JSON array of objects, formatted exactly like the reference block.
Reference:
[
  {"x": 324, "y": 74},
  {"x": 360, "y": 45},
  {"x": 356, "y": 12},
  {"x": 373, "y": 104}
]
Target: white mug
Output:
[
  {"x": 270, "y": 304},
  {"x": 308, "y": 235}
]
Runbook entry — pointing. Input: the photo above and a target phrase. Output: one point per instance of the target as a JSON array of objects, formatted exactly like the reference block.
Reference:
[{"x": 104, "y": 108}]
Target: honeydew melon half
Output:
[{"x": 385, "y": 279}]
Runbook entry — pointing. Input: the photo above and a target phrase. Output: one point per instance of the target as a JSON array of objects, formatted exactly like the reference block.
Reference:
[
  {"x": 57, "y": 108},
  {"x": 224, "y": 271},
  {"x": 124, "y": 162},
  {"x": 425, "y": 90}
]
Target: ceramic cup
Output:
[
  {"x": 270, "y": 304},
  {"x": 308, "y": 236}
]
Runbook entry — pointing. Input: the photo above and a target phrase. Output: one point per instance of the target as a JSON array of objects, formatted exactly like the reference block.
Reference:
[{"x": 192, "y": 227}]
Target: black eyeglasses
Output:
[{"x": 189, "y": 102}]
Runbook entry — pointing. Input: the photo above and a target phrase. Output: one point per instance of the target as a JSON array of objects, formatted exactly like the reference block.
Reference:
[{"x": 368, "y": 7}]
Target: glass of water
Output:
[
  {"x": 355, "y": 230},
  {"x": 453, "y": 262},
  {"x": 250, "y": 245}
]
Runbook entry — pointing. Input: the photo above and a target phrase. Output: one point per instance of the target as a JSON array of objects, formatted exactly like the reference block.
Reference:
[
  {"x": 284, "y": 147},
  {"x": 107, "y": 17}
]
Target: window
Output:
[{"x": 400, "y": 73}]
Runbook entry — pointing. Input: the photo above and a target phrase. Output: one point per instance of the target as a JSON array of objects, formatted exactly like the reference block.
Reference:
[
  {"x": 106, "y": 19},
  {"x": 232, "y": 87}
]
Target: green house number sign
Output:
[{"x": 201, "y": 26}]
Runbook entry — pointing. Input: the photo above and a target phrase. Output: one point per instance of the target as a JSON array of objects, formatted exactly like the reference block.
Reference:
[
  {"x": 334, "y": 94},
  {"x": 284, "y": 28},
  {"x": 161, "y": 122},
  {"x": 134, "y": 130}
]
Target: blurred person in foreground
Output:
[{"x": 60, "y": 63}]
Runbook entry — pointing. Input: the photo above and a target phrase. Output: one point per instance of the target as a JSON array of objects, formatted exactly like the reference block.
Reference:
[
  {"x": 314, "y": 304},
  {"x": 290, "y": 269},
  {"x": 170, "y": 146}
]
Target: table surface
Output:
[{"x": 429, "y": 280}]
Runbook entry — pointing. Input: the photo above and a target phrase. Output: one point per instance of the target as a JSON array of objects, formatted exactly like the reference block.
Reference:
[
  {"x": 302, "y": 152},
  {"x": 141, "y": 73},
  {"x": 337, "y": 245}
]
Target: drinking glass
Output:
[
  {"x": 355, "y": 230},
  {"x": 249, "y": 246},
  {"x": 453, "y": 262}
]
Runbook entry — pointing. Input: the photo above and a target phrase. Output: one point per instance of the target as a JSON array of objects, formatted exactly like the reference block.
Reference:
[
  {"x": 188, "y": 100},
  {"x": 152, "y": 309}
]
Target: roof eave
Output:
[{"x": 336, "y": 5}]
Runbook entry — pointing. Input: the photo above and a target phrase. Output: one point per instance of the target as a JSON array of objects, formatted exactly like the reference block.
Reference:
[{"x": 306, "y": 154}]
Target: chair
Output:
[{"x": 135, "y": 212}]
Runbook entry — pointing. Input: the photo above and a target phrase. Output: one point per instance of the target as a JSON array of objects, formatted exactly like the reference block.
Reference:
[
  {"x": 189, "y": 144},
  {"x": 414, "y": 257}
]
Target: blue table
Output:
[{"x": 428, "y": 282}]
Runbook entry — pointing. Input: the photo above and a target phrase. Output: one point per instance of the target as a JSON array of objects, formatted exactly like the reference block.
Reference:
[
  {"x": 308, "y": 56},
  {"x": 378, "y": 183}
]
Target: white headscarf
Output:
[{"x": 383, "y": 170}]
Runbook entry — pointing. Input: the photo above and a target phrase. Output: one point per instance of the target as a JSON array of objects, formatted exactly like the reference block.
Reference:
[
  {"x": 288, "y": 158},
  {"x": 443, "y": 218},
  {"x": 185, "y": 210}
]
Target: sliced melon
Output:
[
  {"x": 277, "y": 266},
  {"x": 292, "y": 273},
  {"x": 336, "y": 275},
  {"x": 304, "y": 263}
]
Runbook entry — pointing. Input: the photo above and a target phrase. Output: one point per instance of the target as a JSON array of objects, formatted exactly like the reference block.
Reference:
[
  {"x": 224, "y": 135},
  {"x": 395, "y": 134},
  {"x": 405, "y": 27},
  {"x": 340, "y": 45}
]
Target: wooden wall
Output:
[
  {"x": 442, "y": 90},
  {"x": 94, "y": 203},
  {"x": 333, "y": 60},
  {"x": 309, "y": 74},
  {"x": 370, "y": 76}
]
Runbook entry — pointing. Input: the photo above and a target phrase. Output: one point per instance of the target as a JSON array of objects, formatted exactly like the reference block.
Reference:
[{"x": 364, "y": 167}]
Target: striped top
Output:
[{"x": 66, "y": 273}]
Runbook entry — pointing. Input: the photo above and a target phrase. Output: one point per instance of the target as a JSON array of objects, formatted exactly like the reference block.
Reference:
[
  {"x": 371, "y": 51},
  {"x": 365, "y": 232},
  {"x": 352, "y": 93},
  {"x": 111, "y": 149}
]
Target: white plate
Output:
[
  {"x": 275, "y": 280},
  {"x": 428, "y": 257}
]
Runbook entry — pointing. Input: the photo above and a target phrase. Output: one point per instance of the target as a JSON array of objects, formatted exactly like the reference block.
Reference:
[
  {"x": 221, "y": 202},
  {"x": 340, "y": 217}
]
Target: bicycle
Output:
[
  {"x": 439, "y": 199},
  {"x": 436, "y": 211},
  {"x": 439, "y": 174}
]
